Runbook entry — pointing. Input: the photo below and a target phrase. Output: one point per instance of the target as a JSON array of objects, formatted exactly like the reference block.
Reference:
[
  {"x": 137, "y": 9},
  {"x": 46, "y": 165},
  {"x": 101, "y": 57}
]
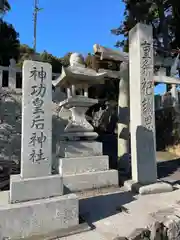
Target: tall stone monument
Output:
[
  {"x": 142, "y": 121},
  {"x": 35, "y": 204},
  {"x": 81, "y": 159},
  {"x": 142, "y": 125},
  {"x": 36, "y": 149}
]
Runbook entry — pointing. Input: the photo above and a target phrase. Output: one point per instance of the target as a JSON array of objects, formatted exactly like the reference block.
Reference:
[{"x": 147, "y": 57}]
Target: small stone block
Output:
[
  {"x": 23, "y": 220},
  {"x": 83, "y": 164},
  {"x": 158, "y": 187},
  {"x": 35, "y": 188}
]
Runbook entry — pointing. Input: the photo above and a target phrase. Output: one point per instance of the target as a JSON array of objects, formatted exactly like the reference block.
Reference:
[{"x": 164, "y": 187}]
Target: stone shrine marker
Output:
[
  {"x": 143, "y": 147},
  {"x": 36, "y": 137}
]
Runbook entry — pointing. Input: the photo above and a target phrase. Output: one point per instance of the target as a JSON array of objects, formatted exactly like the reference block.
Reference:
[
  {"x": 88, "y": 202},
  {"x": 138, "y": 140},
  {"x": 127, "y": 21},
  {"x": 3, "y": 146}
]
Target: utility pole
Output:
[
  {"x": 1, "y": 5},
  {"x": 36, "y": 10},
  {"x": 2, "y": 8}
]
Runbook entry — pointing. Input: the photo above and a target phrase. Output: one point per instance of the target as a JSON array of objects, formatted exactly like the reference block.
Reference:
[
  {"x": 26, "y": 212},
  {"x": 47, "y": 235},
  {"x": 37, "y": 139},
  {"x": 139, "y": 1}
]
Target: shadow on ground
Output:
[
  {"x": 168, "y": 168},
  {"x": 103, "y": 206}
]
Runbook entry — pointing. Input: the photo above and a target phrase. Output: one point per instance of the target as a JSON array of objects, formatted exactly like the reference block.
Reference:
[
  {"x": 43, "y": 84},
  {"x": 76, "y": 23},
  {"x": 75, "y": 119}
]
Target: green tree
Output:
[
  {"x": 175, "y": 24},
  {"x": 158, "y": 13},
  {"x": 25, "y": 53},
  {"x": 9, "y": 43},
  {"x": 54, "y": 61},
  {"x": 91, "y": 61},
  {"x": 4, "y": 6},
  {"x": 65, "y": 60},
  {"x": 163, "y": 15}
]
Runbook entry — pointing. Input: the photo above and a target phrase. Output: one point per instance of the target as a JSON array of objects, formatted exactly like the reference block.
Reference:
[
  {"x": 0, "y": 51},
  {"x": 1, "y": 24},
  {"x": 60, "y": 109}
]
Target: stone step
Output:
[
  {"x": 91, "y": 180},
  {"x": 79, "y": 165},
  {"x": 34, "y": 188},
  {"x": 38, "y": 217},
  {"x": 90, "y": 193}
]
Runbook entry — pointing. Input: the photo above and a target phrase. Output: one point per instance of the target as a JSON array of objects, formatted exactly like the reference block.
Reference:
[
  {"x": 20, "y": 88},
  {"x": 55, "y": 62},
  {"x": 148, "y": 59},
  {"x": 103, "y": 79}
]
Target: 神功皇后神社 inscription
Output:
[
  {"x": 147, "y": 86},
  {"x": 37, "y": 118},
  {"x": 38, "y": 137}
]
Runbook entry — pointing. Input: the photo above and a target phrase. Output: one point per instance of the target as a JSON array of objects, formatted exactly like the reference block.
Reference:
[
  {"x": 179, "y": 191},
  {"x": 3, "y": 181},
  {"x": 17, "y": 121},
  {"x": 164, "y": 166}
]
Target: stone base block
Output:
[
  {"x": 91, "y": 180},
  {"x": 21, "y": 220},
  {"x": 78, "y": 136},
  {"x": 158, "y": 187},
  {"x": 79, "y": 165},
  {"x": 34, "y": 188},
  {"x": 70, "y": 149}
]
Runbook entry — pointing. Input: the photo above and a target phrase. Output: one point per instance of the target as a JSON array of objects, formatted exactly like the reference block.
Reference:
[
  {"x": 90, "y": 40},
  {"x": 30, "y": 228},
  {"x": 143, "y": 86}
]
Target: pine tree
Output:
[
  {"x": 162, "y": 15},
  {"x": 4, "y": 6},
  {"x": 157, "y": 13}
]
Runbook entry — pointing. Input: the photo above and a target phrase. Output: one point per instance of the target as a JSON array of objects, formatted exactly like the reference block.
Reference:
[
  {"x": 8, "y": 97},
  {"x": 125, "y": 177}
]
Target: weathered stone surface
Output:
[
  {"x": 34, "y": 205},
  {"x": 161, "y": 215},
  {"x": 158, "y": 231},
  {"x": 173, "y": 227},
  {"x": 78, "y": 105},
  {"x": 120, "y": 238},
  {"x": 158, "y": 187},
  {"x": 139, "y": 233},
  {"x": 78, "y": 136},
  {"x": 70, "y": 149},
  {"x": 21, "y": 220},
  {"x": 83, "y": 164},
  {"x": 35, "y": 188},
  {"x": 142, "y": 125},
  {"x": 36, "y": 149},
  {"x": 167, "y": 224}
]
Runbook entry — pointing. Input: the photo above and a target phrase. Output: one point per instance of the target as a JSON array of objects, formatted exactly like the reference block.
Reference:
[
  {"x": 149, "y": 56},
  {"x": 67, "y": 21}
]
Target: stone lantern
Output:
[
  {"x": 80, "y": 158},
  {"x": 76, "y": 79}
]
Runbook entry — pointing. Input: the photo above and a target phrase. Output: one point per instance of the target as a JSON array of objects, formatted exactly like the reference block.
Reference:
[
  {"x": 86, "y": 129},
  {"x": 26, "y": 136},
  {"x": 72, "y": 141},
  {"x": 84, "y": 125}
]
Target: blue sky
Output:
[{"x": 68, "y": 25}]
